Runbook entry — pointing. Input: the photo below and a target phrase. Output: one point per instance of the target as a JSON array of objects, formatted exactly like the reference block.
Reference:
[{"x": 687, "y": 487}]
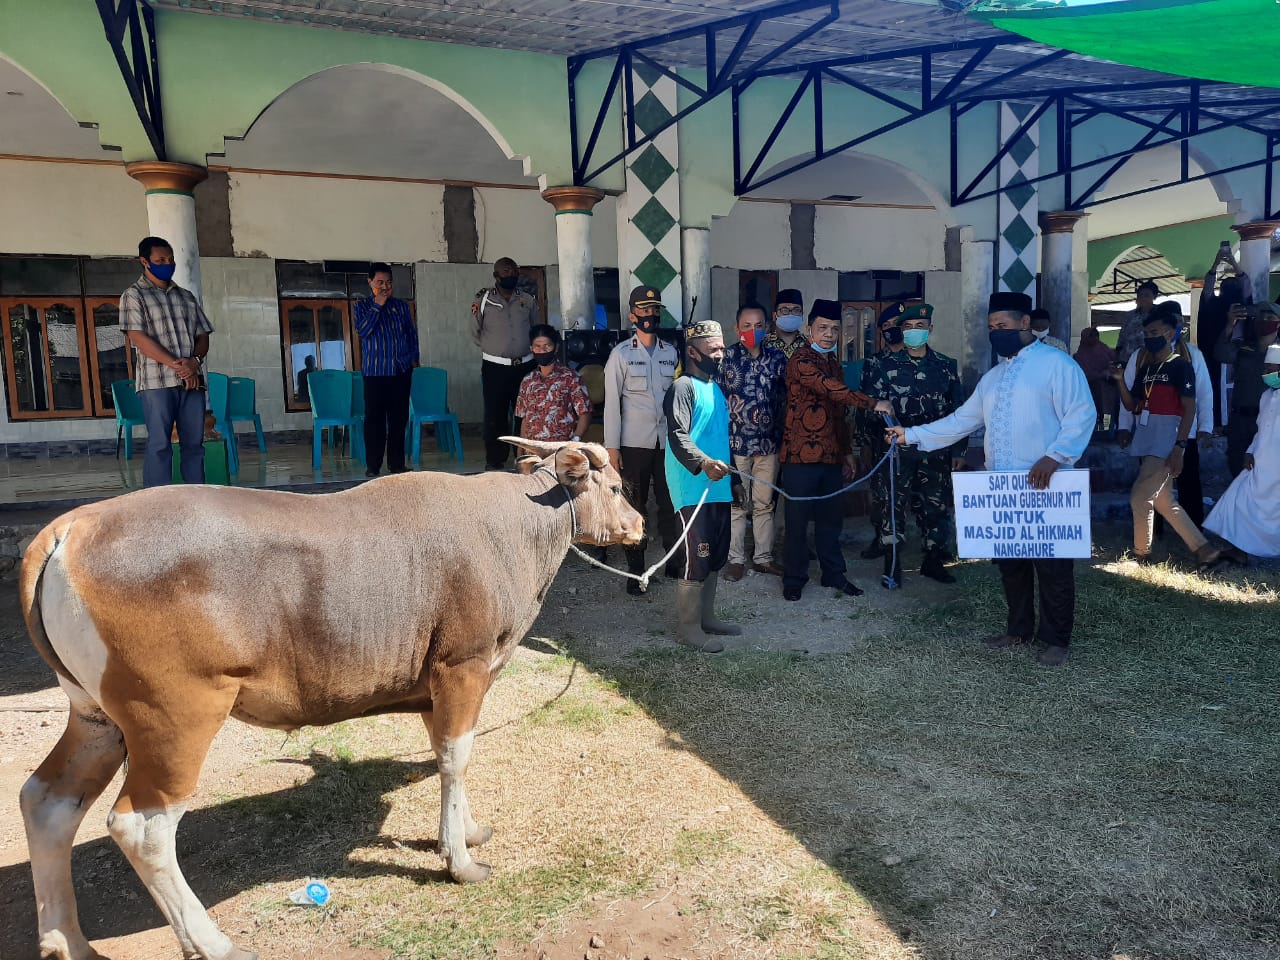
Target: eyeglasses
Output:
[{"x": 790, "y": 311}]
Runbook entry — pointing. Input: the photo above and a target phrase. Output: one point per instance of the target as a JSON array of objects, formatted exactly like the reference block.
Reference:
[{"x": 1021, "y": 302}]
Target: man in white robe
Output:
[
  {"x": 1039, "y": 415},
  {"x": 1248, "y": 515}
]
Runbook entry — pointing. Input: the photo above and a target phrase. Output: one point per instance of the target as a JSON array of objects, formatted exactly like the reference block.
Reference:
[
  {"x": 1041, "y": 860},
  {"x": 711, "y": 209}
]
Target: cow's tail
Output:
[{"x": 30, "y": 580}]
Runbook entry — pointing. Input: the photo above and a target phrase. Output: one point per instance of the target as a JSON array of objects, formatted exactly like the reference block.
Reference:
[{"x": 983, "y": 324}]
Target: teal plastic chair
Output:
[
  {"x": 220, "y": 407},
  {"x": 332, "y": 396},
  {"x": 357, "y": 411},
  {"x": 429, "y": 403},
  {"x": 129, "y": 414},
  {"x": 243, "y": 404},
  {"x": 852, "y": 374}
]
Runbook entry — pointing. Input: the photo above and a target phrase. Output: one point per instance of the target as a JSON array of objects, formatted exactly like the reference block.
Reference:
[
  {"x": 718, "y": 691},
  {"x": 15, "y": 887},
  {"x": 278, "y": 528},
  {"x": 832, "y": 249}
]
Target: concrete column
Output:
[
  {"x": 171, "y": 213},
  {"x": 573, "y": 249},
  {"x": 1255, "y": 254},
  {"x": 1064, "y": 274},
  {"x": 695, "y": 254},
  {"x": 977, "y": 265}
]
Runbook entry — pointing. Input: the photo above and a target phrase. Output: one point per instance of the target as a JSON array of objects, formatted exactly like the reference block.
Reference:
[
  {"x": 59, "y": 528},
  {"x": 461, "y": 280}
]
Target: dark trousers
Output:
[
  {"x": 386, "y": 413},
  {"x": 643, "y": 469},
  {"x": 500, "y": 386},
  {"x": 1241, "y": 429},
  {"x": 164, "y": 408},
  {"x": 827, "y": 516},
  {"x": 1057, "y": 598},
  {"x": 1190, "y": 492}
]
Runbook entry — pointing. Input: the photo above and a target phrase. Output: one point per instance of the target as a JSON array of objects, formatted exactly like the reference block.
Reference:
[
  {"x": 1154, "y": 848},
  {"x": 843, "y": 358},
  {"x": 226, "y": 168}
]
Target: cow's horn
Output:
[{"x": 543, "y": 448}]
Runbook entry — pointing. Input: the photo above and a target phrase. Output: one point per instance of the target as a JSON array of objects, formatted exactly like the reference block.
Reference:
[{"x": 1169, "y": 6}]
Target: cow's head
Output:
[{"x": 603, "y": 514}]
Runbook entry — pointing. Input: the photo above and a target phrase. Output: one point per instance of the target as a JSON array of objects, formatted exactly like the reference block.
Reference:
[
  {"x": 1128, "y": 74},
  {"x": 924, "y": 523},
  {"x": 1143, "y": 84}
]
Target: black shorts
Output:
[{"x": 706, "y": 545}]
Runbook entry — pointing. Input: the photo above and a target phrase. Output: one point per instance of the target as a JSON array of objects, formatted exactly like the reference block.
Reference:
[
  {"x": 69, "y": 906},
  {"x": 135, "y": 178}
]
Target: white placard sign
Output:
[{"x": 999, "y": 515}]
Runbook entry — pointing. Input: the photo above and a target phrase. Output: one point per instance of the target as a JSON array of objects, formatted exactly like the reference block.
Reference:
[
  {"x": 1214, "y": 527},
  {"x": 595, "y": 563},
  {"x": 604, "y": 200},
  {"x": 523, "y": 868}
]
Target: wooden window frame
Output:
[
  {"x": 352, "y": 341},
  {"x": 77, "y": 303},
  {"x": 91, "y": 304}
]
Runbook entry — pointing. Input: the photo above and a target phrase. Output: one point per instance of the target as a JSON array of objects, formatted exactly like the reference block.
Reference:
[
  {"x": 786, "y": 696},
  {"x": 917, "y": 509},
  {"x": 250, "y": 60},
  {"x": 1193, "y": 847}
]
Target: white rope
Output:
[{"x": 643, "y": 578}]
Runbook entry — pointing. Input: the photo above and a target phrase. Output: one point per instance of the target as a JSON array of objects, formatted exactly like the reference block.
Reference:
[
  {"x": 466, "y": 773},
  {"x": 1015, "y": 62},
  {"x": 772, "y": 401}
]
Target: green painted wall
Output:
[
  {"x": 62, "y": 44},
  {"x": 1190, "y": 247}
]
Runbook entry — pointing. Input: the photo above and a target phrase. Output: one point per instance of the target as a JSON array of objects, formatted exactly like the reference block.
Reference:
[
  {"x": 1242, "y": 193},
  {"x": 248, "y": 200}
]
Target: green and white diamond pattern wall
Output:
[
  {"x": 649, "y": 211},
  {"x": 1019, "y": 204}
]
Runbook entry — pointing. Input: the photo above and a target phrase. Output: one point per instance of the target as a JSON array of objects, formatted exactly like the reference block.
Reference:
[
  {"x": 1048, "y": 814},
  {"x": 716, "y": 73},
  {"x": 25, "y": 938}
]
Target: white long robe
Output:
[
  {"x": 1248, "y": 514},
  {"x": 1034, "y": 405}
]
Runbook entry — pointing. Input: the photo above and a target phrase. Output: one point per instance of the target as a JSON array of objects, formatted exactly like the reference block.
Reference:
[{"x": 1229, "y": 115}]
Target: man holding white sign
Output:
[{"x": 1039, "y": 415}]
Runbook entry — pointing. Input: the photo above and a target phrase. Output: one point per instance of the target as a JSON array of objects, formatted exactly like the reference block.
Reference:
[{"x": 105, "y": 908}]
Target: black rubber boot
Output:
[
  {"x": 873, "y": 550},
  {"x": 892, "y": 578},
  {"x": 635, "y": 564},
  {"x": 933, "y": 568}
]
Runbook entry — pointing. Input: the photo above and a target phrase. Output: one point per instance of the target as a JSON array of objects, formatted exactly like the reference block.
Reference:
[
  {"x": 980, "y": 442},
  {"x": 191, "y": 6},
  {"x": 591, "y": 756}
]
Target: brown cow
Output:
[{"x": 169, "y": 609}]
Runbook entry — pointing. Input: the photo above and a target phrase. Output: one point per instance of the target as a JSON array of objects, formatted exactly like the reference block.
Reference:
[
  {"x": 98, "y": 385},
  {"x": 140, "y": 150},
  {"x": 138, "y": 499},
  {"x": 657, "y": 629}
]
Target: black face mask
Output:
[
  {"x": 648, "y": 324},
  {"x": 707, "y": 365},
  {"x": 544, "y": 359},
  {"x": 508, "y": 283},
  {"x": 892, "y": 336},
  {"x": 1154, "y": 344}
]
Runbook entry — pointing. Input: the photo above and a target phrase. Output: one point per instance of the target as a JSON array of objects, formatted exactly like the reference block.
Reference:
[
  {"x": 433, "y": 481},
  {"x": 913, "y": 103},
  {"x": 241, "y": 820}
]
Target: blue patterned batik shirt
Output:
[
  {"x": 388, "y": 337},
  {"x": 756, "y": 388}
]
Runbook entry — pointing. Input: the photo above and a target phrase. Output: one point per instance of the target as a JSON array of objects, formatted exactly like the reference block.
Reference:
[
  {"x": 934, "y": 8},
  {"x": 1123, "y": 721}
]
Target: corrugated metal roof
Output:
[
  {"x": 1139, "y": 264},
  {"x": 568, "y": 27}
]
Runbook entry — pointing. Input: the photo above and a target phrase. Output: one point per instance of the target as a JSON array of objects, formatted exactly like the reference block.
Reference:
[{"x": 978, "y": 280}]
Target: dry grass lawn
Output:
[{"x": 894, "y": 792}]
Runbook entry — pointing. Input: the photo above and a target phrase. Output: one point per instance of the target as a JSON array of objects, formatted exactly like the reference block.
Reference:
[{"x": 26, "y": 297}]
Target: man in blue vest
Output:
[{"x": 697, "y": 459}]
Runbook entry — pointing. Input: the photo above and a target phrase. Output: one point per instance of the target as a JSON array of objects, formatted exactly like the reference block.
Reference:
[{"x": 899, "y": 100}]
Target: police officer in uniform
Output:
[
  {"x": 636, "y": 379},
  {"x": 501, "y": 317},
  {"x": 869, "y": 426},
  {"x": 923, "y": 385}
]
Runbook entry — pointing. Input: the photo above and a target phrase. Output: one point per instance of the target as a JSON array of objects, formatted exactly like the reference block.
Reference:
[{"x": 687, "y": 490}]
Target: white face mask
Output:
[{"x": 1040, "y": 334}]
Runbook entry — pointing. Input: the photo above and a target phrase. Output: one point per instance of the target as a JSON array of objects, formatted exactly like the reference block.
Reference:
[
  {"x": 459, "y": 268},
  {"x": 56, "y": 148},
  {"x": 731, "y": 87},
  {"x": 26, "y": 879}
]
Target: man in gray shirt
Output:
[
  {"x": 636, "y": 379},
  {"x": 501, "y": 317}
]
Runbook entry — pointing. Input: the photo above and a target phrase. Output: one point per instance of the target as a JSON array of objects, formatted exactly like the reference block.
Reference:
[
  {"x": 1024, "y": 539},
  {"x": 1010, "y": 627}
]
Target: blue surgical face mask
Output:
[
  {"x": 1006, "y": 342},
  {"x": 162, "y": 271},
  {"x": 915, "y": 338},
  {"x": 830, "y": 349},
  {"x": 1272, "y": 380},
  {"x": 789, "y": 323}
]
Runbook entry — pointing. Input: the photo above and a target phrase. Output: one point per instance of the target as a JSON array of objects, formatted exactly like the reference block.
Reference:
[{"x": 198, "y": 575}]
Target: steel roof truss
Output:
[{"x": 139, "y": 63}]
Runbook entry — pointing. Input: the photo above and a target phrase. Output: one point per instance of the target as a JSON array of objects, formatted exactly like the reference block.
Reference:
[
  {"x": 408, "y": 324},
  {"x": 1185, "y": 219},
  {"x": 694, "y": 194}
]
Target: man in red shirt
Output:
[
  {"x": 816, "y": 453},
  {"x": 553, "y": 401}
]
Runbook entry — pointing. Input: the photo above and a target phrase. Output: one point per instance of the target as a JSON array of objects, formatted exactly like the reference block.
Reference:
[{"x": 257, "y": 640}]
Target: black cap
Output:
[
  {"x": 1040, "y": 313},
  {"x": 827, "y": 309},
  {"x": 1009, "y": 301},
  {"x": 790, "y": 295},
  {"x": 643, "y": 296}
]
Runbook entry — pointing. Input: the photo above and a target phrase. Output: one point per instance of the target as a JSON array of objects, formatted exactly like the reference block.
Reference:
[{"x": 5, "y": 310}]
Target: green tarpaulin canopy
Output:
[{"x": 1235, "y": 41}]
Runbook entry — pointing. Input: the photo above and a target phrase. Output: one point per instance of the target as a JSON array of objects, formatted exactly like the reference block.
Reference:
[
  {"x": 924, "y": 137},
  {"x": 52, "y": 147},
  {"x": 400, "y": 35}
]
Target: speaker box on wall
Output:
[{"x": 584, "y": 347}]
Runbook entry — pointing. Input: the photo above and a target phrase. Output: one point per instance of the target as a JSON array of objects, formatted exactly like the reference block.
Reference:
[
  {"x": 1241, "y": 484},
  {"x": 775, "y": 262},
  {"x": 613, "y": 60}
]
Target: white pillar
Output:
[
  {"x": 1064, "y": 274},
  {"x": 1255, "y": 255},
  {"x": 695, "y": 251},
  {"x": 573, "y": 250},
  {"x": 171, "y": 213},
  {"x": 977, "y": 261}
]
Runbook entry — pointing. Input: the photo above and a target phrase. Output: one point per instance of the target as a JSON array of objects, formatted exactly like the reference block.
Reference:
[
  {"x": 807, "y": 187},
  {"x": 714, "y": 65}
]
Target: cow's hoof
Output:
[
  {"x": 53, "y": 946},
  {"x": 479, "y": 836},
  {"x": 473, "y": 872},
  {"x": 235, "y": 953}
]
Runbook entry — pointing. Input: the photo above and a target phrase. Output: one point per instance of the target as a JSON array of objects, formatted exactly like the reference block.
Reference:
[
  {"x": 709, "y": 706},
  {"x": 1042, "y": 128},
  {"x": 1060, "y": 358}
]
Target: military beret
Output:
[
  {"x": 891, "y": 313},
  {"x": 918, "y": 311}
]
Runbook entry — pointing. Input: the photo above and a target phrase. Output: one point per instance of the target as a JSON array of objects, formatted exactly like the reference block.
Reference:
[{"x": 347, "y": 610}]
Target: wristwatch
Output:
[
  {"x": 1180, "y": 444},
  {"x": 576, "y": 437}
]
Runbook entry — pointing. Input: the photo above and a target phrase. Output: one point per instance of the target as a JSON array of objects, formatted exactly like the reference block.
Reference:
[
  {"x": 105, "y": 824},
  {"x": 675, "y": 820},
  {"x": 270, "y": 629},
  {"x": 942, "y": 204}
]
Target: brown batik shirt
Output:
[{"x": 817, "y": 400}]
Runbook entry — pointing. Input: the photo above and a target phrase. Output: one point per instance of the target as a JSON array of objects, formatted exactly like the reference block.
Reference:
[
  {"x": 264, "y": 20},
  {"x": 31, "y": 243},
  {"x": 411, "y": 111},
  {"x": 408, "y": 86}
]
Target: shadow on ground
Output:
[
  {"x": 227, "y": 847},
  {"x": 987, "y": 807}
]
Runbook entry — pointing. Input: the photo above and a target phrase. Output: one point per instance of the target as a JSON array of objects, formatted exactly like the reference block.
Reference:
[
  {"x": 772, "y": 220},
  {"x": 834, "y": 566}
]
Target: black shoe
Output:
[
  {"x": 933, "y": 569},
  {"x": 791, "y": 593},
  {"x": 495, "y": 466},
  {"x": 398, "y": 470},
  {"x": 846, "y": 587},
  {"x": 873, "y": 550},
  {"x": 371, "y": 474},
  {"x": 634, "y": 588}
]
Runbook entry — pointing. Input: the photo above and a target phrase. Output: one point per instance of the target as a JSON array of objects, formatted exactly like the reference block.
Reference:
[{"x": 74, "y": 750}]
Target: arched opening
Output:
[
  {"x": 376, "y": 120},
  {"x": 34, "y": 123},
  {"x": 1134, "y": 211}
]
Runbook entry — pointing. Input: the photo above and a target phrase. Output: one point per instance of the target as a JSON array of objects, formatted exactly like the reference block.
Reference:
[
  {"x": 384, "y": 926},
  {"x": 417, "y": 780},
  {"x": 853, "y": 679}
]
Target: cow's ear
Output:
[
  {"x": 597, "y": 454},
  {"x": 528, "y": 463},
  {"x": 572, "y": 467}
]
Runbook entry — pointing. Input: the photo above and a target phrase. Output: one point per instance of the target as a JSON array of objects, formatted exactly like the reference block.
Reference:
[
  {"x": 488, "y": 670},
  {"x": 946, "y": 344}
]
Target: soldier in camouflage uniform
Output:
[
  {"x": 923, "y": 385},
  {"x": 868, "y": 426}
]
